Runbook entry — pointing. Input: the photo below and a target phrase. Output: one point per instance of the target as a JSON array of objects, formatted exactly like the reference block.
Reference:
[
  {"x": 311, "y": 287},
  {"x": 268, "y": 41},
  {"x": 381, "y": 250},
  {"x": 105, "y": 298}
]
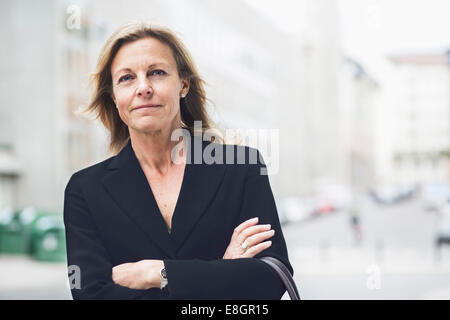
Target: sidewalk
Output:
[
  {"x": 403, "y": 273},
  {"x": 358, "y": 259},
  {"x": 438, "y": 294},
  {"x": 21, "y": 276}
]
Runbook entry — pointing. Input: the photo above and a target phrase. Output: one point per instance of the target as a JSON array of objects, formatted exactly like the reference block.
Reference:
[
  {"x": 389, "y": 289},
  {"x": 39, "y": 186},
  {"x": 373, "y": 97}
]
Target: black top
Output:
[{"x": 111, "y": 217}]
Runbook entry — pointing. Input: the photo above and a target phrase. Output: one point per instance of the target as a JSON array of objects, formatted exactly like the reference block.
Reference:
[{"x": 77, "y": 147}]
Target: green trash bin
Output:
[
  {"x": 13, "y": 235},
  {"x": 27, "y": 217},
  {"x": 6, "y": 214},
  {"x": 48, "y": 238}
]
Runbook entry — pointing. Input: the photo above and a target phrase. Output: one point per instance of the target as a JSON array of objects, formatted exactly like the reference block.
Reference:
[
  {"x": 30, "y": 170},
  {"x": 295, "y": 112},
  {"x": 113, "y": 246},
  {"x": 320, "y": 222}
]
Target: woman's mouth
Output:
[{"x": 146, "y": 106}]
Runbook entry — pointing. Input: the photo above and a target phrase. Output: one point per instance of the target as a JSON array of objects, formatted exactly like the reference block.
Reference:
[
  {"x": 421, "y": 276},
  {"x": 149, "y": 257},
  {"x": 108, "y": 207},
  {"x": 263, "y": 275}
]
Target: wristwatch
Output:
[{"x": 164, "y": 280}]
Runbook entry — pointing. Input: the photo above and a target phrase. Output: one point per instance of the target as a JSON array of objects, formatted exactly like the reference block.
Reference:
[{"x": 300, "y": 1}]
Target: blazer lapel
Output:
[
  {"x": 200, "y": 184},
  {"x": 129, "y": 188}
]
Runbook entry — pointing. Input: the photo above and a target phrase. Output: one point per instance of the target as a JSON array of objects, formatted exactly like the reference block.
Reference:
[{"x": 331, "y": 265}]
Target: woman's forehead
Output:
[{"x": 149, "y": 51}]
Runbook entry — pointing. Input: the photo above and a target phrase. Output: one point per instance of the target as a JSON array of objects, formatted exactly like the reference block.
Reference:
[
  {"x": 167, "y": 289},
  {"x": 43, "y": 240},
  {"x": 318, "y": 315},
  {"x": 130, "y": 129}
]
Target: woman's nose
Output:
[{"x": 144, "y": 88}]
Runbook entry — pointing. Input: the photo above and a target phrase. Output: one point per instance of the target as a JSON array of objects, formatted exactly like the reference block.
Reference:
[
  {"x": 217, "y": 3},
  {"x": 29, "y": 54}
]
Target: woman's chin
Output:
[
  {"x": 147, "y": 127},
  {"x": 149, "y": 124}
]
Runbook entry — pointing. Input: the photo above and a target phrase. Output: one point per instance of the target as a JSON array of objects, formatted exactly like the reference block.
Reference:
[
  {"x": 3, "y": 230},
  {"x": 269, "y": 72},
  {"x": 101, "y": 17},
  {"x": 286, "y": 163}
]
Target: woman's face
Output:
[{"x": 146, "y": 86}]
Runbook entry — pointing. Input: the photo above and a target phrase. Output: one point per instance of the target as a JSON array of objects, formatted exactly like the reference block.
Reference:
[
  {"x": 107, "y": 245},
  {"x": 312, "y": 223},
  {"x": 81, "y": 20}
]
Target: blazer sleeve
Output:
[
  {"x": 246, "y": 278},
  {"x": 86, "y": 251}
]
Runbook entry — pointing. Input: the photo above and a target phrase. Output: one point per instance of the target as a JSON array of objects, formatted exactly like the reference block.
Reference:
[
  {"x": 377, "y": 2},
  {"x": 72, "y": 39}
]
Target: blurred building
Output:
[
  {"x": 28, "y": 104},
  {"x": 253, "y": 71},
  {"x": 47, "y": 64},
  {"x": 9, "y": 175},
  {"x": 421, "y": 134},
  {"x": 358, "y": 101},
  {"x": 325, "y": 162},
  {"x": 282, "y": 87}
]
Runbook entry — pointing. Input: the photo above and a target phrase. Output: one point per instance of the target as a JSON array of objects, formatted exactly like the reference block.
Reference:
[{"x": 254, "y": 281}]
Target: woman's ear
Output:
[{"x": 185, "y": 84}]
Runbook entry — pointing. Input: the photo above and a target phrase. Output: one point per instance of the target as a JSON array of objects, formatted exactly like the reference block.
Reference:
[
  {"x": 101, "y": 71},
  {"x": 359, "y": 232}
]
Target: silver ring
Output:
[{"x": 244, "y": 245}]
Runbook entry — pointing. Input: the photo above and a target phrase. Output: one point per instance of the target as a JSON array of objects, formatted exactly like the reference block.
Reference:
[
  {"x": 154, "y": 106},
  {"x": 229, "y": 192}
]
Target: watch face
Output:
[{"x": 163, "y": 273}]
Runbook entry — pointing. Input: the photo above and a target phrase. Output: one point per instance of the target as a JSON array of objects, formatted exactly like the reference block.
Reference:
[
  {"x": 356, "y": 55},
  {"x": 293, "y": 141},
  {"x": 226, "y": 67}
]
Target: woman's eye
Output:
[
  {"x": 159, "y": 72},
  {"x": 125, "y": 78}
]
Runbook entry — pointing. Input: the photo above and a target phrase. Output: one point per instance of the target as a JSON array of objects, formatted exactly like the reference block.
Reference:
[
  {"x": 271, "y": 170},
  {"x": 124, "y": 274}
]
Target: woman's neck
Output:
[{"x": 154, "y": 150}]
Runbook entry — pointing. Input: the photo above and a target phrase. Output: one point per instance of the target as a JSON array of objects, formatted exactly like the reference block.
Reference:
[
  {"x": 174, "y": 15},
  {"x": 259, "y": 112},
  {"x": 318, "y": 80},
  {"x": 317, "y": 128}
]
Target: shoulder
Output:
[
  {"x": 89, "y": 174},
  {"x": 232, "y": 153},
  {"x": 234, "y": 157}
]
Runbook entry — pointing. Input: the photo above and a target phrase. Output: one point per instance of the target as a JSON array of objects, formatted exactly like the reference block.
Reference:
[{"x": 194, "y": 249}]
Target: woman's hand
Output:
[
  {"x": 141, "y": 275},
  {"x": 248, "y": 240}
]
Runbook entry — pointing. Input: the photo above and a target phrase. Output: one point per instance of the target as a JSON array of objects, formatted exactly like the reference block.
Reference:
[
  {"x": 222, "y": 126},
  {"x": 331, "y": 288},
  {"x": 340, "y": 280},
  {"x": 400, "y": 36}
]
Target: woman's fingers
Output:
[
  {"x": 250, "y": 231},
  {"x": 234, "y": 249},
  {"x": 259, "y": 237},
  {"x": 247, "y": 239},
  {"x": 244, "y": 225},
  {"x": 253, "y": 251}
]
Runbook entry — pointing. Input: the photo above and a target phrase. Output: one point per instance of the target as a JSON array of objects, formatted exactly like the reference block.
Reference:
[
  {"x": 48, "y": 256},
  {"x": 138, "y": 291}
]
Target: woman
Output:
[{"x": 147, "y": 225}]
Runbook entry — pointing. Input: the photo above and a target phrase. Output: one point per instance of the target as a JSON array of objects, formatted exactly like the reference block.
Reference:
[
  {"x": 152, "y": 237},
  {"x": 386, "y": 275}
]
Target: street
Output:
[{"x": 396, "y": 258}]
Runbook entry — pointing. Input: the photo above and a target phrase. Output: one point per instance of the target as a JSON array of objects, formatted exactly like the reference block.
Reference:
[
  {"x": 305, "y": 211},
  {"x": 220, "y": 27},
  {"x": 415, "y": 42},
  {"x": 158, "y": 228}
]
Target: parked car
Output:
[
  {"x": 443, "y": 225},
  {"x": 323, "y": 206},
  {"x": 282, "y": 213},
  {"x": 331, "y": 197},
  {"x": 388, "y": 195},
  {"x": 337, "y": 196},
  {"x": 435, "y": 195},
  {"x": 294, "y": 209}
]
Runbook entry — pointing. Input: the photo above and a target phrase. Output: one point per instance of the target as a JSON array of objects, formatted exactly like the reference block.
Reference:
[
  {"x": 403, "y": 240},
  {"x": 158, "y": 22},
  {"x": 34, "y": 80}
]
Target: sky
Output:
[{"x": 369, "y": 30}]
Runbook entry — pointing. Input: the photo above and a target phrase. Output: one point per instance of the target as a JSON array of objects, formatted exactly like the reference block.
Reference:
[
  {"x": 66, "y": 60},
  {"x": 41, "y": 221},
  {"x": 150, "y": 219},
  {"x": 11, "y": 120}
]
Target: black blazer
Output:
[{"x": 111, "y": 217}]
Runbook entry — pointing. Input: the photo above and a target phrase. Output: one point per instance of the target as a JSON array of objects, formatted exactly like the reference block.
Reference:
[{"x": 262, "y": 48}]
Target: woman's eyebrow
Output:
[
  {"x": 149, "y": 67},
  {"x": 159, "y": 63},
  {"x": 121, "y": 70}
]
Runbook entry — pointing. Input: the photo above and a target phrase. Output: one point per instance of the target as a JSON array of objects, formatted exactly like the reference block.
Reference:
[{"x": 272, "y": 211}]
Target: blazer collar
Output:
[{"x": 127, "y": 184}]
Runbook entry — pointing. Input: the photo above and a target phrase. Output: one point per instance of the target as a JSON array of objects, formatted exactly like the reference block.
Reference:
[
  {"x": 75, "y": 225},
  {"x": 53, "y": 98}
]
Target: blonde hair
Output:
[{"x": 192, "y": 107}]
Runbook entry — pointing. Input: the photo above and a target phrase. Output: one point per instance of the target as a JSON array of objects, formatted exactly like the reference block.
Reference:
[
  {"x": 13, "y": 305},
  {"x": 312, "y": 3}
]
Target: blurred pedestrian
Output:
[{"x": 355, "y": 224}]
